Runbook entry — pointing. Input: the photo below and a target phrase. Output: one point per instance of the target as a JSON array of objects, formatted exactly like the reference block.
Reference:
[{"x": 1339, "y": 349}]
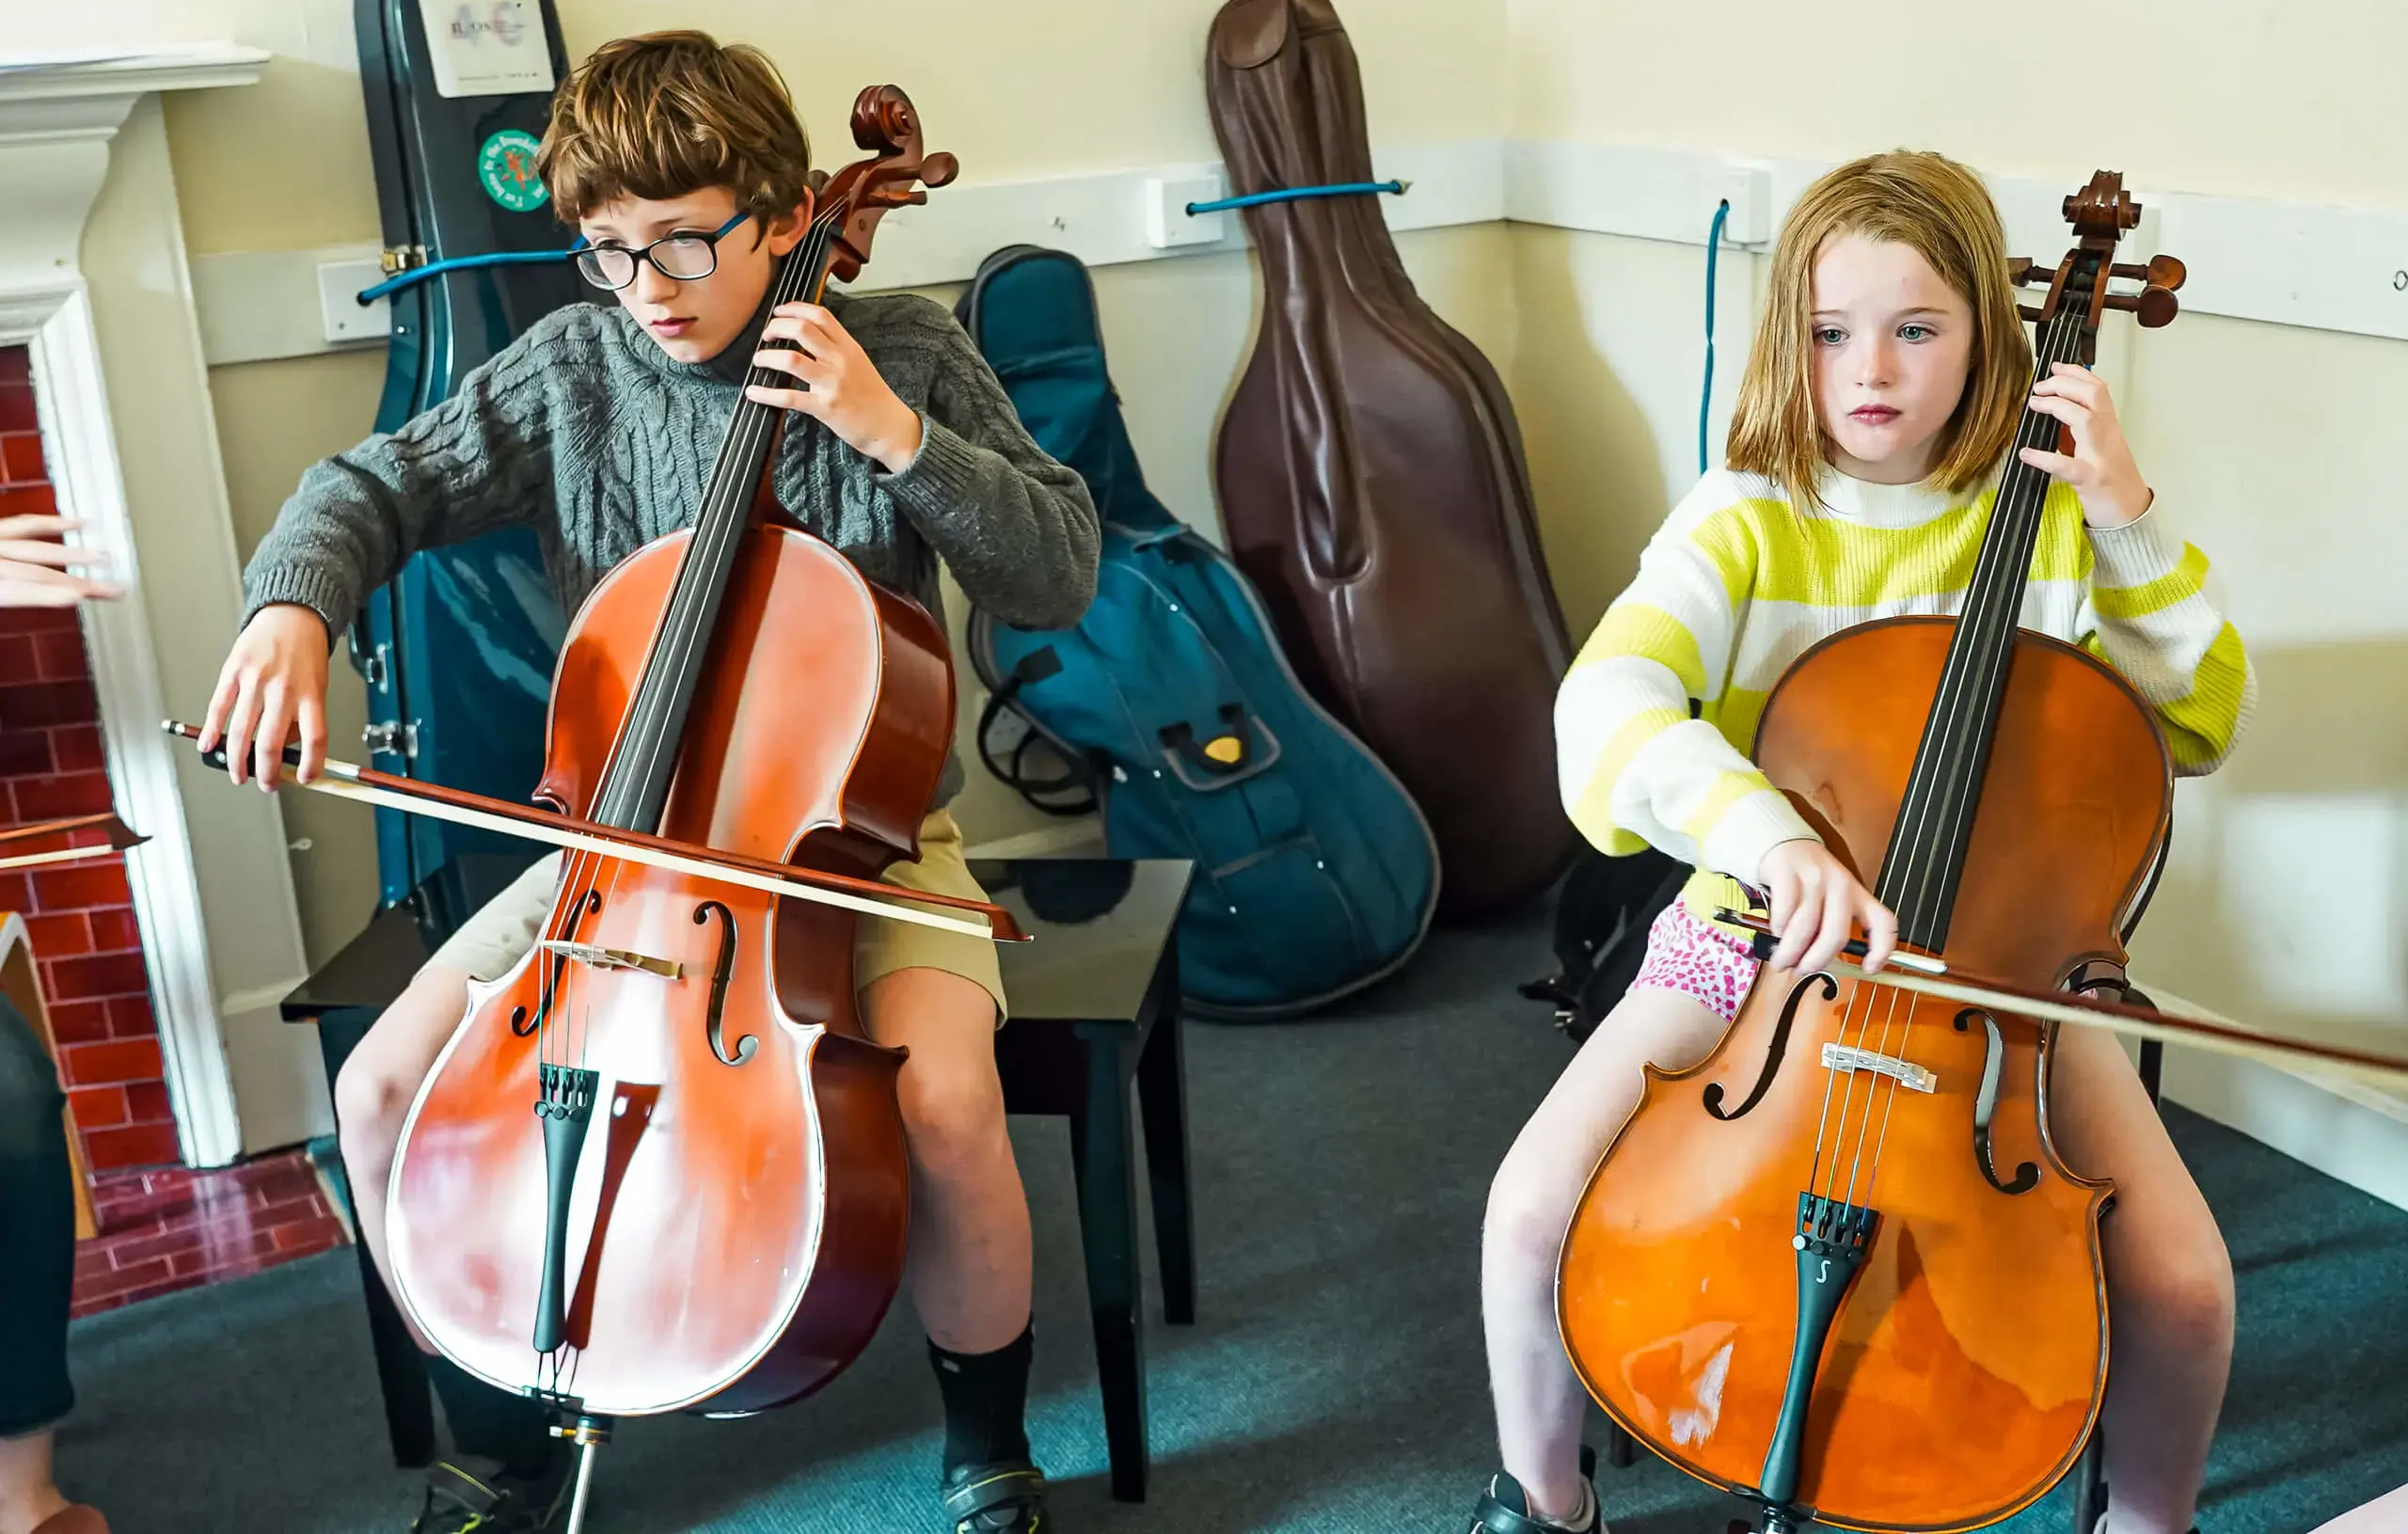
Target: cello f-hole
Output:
[
  {"x": 520, "y": 1024},
  {"x": 2027, "y": 1175},
  {"x": 720, "y": 972},
  {"x": 1713, "y": 1095}
]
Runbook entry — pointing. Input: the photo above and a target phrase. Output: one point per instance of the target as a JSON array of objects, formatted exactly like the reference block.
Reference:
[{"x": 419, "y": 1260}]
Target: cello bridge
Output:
[
  {"x": 612, "y": 958},
  {"x": 1847, "y": 1058}
]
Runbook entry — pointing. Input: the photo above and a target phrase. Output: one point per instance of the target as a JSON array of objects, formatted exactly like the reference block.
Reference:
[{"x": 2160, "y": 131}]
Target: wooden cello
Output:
[
  {"x": 659, "y": 1165},
  {"x": 1837, "y": 1268},
  {"x": 1372, "y": 481}
]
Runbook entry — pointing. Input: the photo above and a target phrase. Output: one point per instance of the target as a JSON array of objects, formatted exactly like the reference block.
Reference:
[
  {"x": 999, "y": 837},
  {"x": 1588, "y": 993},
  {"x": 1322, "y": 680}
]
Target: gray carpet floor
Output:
[{"x": 1333, "y": 1379}]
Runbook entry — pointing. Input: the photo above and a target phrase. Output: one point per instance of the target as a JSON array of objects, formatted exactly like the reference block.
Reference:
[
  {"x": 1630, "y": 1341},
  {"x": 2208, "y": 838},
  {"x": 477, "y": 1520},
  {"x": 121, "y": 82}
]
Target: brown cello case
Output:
[{"x": 1371, "y": 478}]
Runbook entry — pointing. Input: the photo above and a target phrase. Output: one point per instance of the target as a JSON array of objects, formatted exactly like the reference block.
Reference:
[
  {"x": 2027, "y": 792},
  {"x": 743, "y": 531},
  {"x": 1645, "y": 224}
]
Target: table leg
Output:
[
  {"x": 400, "y": 1369},
  {"x": 1103, "y": 1154},
  {"x": 1161, "y": 1094}
]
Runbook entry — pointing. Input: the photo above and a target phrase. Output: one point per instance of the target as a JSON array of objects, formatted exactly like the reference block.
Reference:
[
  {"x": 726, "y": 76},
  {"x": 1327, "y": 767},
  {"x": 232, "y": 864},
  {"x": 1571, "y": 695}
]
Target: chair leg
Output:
[
  {"x": 2090, "y": 1485},
  {"x": 1621, "y": 1449}
]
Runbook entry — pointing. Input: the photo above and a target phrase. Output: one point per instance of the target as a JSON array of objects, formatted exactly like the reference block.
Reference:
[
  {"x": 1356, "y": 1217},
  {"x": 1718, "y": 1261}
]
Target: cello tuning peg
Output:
[
  {"x": 2019, "y": 271},
  {"x": 2033, "y": 313},
  {"x": 2161, "y": 271},
  {"x": 2154, "y": 306},
  {"x": 938, "y": 168}
]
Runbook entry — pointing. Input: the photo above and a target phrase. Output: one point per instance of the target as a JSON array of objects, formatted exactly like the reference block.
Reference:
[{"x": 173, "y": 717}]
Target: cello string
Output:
[
  {"x": 563, "y": 1031},
  {"x": 718, "y": 526},
  {"x": 1941, "y": 799},
  {"x": 1870, "y": 992},
  {"x": 2018, "y": 517},
  {"x": 2032, "y": 513},
  {"x": 581, "y": 876},
  {"x": 1937, "y": 792},
  {"x": 1989, "y": 586},
  {"x": 1848, "y": 1099},
  {"x": 1935, "y": 795},
  {"x": 628, "y": 780},
  {"x": 1889, "y": 1101},
  {"x": 1822, "y": 1125}
]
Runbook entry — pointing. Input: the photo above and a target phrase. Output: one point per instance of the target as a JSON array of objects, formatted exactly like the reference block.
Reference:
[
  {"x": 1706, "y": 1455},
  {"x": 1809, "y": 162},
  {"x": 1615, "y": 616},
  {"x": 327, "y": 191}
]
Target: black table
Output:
[{"x": 1095, "y": 1005}]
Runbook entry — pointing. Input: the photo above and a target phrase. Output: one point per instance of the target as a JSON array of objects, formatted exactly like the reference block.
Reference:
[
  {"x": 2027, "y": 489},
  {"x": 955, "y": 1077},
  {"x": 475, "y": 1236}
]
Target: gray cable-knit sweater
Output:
[{"x": 586, "y": 431}]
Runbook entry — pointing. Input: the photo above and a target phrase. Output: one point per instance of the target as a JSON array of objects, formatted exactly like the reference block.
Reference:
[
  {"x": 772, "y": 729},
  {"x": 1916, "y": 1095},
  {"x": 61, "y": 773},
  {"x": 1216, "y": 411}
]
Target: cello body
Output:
[
  {"x": 1371, "y": 478},
  {"x": 1974, "y": 1303},
  {"x": 659, "y": 1167},
  {"x": 781, "y": 1180},
  {"x": 1837, "y": 1268}
]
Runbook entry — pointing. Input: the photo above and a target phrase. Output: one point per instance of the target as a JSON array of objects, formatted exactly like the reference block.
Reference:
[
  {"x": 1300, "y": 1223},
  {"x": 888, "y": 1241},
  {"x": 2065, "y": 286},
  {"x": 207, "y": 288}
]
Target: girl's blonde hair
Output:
[{"x": 1939, "y": 209}]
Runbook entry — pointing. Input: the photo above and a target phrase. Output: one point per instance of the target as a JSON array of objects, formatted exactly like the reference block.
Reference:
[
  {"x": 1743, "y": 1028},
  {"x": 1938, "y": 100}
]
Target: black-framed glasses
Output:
[{"x": 680, "y": 257}]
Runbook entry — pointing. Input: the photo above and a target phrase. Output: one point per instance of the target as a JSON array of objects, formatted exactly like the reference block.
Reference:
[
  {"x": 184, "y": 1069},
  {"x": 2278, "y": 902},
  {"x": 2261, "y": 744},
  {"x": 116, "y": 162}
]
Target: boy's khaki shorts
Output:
[{"x": 491, "y": 942}]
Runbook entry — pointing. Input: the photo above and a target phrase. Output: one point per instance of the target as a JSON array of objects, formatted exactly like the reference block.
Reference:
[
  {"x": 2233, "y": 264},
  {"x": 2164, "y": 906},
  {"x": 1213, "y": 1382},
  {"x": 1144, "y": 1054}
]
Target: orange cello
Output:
[
  {"x": 1837, "y": 1269},
  {"x": 660, "y": 1166}
]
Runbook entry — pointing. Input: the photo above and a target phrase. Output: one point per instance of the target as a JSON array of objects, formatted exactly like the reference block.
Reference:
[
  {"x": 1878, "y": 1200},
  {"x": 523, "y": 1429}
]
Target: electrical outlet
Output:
[
  {"x": 339, "y": 284},
  {"x": 1169, "y": 225},
  {"x": 1749, "y": 190}
]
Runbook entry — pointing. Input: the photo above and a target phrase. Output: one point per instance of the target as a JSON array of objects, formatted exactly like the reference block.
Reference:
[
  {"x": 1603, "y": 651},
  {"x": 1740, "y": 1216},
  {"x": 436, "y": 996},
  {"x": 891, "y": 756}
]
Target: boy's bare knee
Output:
[
  {"x": 370, "y": 1101},
  {"x": 954, "y": 1120},
  {"x": 376, "y": 1086}
]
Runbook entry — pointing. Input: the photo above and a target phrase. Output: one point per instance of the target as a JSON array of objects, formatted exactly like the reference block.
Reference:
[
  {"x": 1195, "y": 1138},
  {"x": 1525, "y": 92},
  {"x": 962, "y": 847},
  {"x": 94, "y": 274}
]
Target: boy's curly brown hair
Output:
[{"x": 670, "y": 113}]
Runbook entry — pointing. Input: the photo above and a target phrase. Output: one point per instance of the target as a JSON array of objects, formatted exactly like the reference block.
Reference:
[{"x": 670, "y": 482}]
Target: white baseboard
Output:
[{"x": 2349, "y": 1133}]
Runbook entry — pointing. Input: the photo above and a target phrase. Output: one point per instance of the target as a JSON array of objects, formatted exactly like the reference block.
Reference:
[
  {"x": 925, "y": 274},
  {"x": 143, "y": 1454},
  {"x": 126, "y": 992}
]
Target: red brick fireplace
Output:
[{"x": 81, "y": 918}]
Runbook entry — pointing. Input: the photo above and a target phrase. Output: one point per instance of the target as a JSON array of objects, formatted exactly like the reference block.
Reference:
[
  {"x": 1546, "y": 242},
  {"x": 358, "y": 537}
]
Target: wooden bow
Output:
[
  {"x": 2191, "y": 1024},
  {"x": 52, "y": 841},
  {"x": 366, "y": 785}
]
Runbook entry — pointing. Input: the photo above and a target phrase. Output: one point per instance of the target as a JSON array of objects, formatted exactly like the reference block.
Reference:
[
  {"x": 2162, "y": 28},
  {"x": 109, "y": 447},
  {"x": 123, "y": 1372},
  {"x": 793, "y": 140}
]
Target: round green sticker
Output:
[{"x": 506, "y": 165}]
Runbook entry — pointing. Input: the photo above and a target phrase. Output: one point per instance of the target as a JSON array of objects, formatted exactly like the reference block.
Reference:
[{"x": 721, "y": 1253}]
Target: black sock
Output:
[
  {"x": 494, "y": 1424},
  {"x": 985, "y": 1396}
]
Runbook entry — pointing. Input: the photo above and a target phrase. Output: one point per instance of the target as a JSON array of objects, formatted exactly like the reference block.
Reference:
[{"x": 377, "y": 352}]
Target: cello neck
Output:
[
  {"x": 1927, "y": 846},
  {"x": 635, "y": 788}
]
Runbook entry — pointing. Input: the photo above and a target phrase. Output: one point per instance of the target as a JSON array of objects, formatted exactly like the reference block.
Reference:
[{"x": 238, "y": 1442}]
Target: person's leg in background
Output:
[{"x": 37, "y": 1281}]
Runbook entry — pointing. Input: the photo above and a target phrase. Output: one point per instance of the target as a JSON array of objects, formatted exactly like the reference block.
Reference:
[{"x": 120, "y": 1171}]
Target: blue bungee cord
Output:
[{"x": 1705, "y": 401}]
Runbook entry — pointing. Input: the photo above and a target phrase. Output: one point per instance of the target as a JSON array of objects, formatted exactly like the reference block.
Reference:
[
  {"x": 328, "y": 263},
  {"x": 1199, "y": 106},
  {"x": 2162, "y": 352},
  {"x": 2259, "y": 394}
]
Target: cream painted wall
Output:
[
  {"x": 2253, "y": 98},
  {"x": 2287, "y": 902},
  {"x": 1101, "y": 85}
]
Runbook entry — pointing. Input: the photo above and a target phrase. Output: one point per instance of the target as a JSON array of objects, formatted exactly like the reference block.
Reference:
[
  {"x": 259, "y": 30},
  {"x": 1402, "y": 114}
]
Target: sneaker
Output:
[
  {"x": 1503, "y": 1509},
  {"x": 1006, "y": 1496},
  {"x": 469, "y": 1496}
]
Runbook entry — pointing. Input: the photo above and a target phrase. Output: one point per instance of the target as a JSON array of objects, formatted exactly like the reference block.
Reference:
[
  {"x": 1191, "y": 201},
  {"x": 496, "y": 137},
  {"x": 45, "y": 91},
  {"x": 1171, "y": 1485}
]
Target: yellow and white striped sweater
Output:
[{"x": 1739, "y": 583}]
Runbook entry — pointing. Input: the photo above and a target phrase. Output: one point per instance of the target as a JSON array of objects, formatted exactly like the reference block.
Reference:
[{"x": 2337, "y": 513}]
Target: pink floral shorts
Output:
[{"x": 1687, "y": 954}]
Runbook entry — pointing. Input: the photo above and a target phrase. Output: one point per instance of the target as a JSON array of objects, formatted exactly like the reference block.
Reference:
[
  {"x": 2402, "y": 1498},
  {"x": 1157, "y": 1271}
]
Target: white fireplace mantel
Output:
[
  {"x": 57, "y": 113},
  {"x": 60, "y": 116}
]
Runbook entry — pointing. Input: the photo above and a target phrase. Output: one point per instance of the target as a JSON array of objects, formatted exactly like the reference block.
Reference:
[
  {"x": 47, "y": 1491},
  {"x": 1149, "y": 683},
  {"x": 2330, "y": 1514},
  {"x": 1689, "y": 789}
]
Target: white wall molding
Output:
[
  {"x": 122, "y": 75},
  {"x": 57, "y": 116},
  {"x": 2325, "y": 268},
  {"x": 260, "y": 305}
]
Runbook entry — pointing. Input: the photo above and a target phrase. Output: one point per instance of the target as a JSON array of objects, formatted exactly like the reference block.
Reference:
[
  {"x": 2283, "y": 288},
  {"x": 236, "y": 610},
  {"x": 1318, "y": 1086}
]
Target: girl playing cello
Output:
[{"x": 1888, "y": 379}]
